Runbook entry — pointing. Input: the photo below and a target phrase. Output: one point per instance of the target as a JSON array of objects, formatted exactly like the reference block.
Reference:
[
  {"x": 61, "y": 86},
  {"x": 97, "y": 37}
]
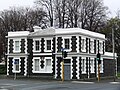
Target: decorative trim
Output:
[
  {"x": 74, "y": 44},
  {"x": 25, "y": 67},
  {"x": 59, "y": 44},
  {"x": 77, "y": 44},
  {"x": 7, "y": 66},
  {"x": 78, "y": 74},
  {"x": 74, "y": 68}
]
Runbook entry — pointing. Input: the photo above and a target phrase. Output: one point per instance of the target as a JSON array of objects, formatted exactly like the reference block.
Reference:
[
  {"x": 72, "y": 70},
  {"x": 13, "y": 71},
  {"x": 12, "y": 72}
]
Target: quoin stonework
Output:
[{"x": 39, "y": 53}]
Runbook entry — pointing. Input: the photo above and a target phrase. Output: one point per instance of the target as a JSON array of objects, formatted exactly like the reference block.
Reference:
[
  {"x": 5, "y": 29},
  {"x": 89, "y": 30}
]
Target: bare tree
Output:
[
  {"x": 19, "y": 19},
  {"x": 48, "y": 6},
  {"x": 93, "y": 14}
]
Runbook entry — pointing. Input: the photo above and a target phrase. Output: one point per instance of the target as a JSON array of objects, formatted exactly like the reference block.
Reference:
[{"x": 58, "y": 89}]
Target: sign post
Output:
[
  {"x": 15, "y": 76},
  {"x": 15, "y": 63}
]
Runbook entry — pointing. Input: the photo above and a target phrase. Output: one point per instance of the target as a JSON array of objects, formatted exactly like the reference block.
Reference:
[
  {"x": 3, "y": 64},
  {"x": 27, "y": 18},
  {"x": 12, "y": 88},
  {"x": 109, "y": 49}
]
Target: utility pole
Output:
[
  {"x": 114, "y": 61},
  {"x": 62, "y": 70}
]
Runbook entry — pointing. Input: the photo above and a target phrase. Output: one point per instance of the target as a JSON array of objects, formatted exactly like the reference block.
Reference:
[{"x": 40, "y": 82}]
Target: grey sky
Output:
[{"x": 5, "y": 4}]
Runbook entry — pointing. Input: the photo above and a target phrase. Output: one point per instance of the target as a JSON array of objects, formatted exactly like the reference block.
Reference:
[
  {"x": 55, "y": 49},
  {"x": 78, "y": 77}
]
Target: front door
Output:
[{"x": 67, "y": 69}]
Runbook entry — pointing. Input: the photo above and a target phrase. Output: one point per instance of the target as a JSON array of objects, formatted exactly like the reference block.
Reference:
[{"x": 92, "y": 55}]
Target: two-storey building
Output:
[{"x": 39, "y": 53}]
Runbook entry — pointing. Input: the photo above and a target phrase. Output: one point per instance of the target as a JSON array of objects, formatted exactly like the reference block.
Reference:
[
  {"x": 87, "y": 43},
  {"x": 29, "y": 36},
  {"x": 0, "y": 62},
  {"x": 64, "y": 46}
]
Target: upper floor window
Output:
[
  {"x": 92, "y": 46},
  {"x": 67, "y": 43},
  {"x": 17, "y": 46},
  {"x": 37, "y": 45},
  {"x": 48, "y": 42},
  {"x": 83, "y": 45},
  {"x": 101, "y": 47}
]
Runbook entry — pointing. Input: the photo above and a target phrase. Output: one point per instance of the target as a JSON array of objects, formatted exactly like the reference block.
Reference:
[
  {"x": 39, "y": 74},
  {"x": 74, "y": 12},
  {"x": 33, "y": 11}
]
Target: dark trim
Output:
[
  {"x": 22, "y": 65},
  {"x": 87, "y": 66},
  {"x": 80, "y": 72},
  {"x": 80, "y": 43},
  {"x": 22, "y": 49},
  {"x": 59, "y": 44},
  {"x": 30, "y": 56},
  {"x": 11, "y": 46},
  {"x": 10, "y": 65},
  {"x": 87, "y": 45},
  {"x": 74, "y": 65},
  {"x": 95, "y": 46},
  {"x": 98, "y": 46},
  {"x": 42, "y": 45},
  {"x": 59, "y": 59},
  {"x": 73, "y": 39},
  {"x": 103, "y": 48}
]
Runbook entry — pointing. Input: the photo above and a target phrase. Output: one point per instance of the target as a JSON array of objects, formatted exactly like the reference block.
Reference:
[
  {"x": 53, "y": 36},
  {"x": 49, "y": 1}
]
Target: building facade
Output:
[{"x": 39, "y": 53}]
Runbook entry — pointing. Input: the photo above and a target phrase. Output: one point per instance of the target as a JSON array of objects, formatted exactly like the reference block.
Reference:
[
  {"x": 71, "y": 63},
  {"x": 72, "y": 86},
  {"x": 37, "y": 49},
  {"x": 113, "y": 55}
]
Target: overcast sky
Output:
[{"x": 114, "y": 5}]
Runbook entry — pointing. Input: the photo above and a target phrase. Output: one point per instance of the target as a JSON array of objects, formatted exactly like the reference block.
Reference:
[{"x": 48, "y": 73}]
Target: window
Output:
[
  {"x": 48, "y": 44},
  {"x": 100, "y": 47},
  {"x": 37, "y": 45},
  {"x": 92, "y": 46},
  {"x": 16, "y": 65},
  {"x": 101, "y": 66},
  {"x": 48, "y": 62},
  {"x": 17, "y": 45},
  {"x": 83, "y": 45},
  {"x": 42, "y": 65},
  {"x": 48, "y": 65},
  {"x": 36, "y": 64},
  {"x": 83, "y": 66},
  {"x": 92, "y": 65},
  {"x": 67, "y": 44}
]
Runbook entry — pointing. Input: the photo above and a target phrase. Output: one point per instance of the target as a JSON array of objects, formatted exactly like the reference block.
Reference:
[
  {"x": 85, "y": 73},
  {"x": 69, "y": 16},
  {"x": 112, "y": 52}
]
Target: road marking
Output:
[
  {"x": 114, "y": 82},
  {"x": 83, "y": 82},
  {"x": 10, "y": 85}
]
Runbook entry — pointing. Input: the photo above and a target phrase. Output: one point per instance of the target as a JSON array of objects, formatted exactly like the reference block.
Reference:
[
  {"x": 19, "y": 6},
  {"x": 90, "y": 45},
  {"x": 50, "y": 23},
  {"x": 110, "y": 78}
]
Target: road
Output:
[{"x": 9, "y": 84}]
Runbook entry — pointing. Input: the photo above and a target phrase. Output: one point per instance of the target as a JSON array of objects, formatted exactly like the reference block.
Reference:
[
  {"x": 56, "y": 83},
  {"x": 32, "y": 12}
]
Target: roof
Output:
[
  {"x": 79, "y": 31},
  {"x": 18, "y": 34},
  {"x": 52, "y": 31},
  {"x": 43, "y": 32}
]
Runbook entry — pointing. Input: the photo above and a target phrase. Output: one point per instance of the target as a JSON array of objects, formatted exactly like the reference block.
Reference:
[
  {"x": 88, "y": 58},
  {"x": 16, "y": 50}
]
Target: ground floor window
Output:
[
  {"x": 36, "y": 65},
  {"x": 83, "y": 65},
  {"x": 42, "y": 65},
  {"x": 16, "y": 65},
  {"x": 92, "y": 65},
  {"x": 48, "y": 65}
]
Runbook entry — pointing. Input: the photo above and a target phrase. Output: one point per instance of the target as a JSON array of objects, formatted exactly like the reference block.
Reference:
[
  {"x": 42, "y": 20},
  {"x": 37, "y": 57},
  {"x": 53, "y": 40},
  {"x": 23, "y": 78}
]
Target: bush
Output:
[
  {"x": 118, "y": 74},
  {"x": 2, "y": 69}
]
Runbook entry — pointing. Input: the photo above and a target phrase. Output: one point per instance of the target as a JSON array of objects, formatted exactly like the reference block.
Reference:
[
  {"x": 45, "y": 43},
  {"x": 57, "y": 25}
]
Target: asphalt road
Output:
[{"x": 9, "y": 84}]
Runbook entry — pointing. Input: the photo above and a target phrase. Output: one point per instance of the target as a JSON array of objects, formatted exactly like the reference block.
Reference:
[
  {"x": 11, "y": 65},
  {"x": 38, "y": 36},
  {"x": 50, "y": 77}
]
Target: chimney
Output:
[{"x": 36, "y": 28}]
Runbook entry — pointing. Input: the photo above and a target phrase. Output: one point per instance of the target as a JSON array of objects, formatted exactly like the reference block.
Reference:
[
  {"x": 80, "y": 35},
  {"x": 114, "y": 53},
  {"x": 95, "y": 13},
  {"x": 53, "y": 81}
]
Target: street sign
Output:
[{"x": 16, "y": 62}]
